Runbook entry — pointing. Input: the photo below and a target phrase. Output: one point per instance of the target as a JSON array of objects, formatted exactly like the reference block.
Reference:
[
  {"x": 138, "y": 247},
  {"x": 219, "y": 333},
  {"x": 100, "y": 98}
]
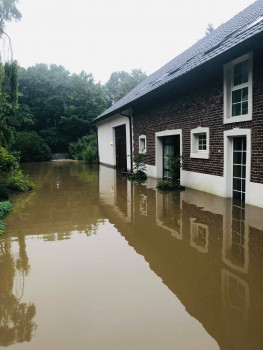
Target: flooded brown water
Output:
[{"x": 91, "y": 261}]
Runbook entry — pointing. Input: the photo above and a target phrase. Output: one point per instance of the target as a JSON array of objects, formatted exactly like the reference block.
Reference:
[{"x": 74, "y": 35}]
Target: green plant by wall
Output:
[
  {"x": 139, "y": 168},
  {"x": 174, "y": 163}
]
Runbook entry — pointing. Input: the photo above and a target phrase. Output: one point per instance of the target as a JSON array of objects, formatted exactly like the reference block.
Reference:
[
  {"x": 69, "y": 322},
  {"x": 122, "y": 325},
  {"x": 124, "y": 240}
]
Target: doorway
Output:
[
  {"x": 239, "y": 167},
  {"x": 171, "y": 145},
  {"x": 120, "y": 142}
]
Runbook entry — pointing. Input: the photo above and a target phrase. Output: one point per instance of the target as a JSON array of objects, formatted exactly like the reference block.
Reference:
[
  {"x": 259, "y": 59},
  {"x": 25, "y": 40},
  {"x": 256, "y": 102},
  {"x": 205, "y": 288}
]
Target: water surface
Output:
[{"x": 91, "y": 261}]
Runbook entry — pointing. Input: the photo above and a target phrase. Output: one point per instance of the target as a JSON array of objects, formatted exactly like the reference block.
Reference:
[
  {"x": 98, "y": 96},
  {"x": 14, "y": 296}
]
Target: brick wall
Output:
[{"x": 200, "y": 103}]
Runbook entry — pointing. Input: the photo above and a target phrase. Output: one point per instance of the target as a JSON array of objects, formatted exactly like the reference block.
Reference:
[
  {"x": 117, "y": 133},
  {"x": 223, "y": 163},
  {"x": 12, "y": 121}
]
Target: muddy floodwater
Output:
[{"x": 91, "y": 261}]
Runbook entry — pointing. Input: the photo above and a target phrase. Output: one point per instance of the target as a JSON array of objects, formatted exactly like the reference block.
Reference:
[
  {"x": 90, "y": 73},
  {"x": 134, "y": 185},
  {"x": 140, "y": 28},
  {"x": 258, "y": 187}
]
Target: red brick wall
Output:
[{"x": 201, "y": 104}]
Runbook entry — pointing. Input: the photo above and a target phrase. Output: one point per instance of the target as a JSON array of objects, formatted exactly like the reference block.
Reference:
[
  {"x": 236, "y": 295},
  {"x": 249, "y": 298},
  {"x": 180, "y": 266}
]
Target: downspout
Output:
[{"x": 130, "y": 125}]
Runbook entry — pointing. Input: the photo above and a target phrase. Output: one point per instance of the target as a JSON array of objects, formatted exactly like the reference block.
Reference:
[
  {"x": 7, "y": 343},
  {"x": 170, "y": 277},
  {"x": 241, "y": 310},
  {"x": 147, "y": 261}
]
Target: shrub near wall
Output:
[{"x": 32, "y": 147}]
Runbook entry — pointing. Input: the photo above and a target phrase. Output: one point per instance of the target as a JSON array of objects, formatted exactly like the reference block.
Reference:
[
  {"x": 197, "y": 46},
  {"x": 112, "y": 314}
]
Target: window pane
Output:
[
  {"x": 244, "y": 158},
  {"x": 237, "y": 171},
  {"x": 202, "y": 142},
  {"x": 244, "y": 108},
  {"x": 241, "y": 73},
  {"x": 237, "y": 184},
  {"x": 236, "y": 96},
  {"x": 243, "y": 171},
  {"x": 237, "y": 143},
  {"x": 244, "y": 94},
  {"x": 236, "y": 109},
  {"x": 244, "y": 185},
  {"x": 237, "y": 157}
]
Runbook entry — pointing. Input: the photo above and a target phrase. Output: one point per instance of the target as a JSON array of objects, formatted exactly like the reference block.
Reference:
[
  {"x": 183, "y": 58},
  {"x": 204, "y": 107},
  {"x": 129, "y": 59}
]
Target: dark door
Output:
[
  {"x": 239, "y": 167},
  {"x": 120, "y": 142},
  {"x": 171, "y": 145}
]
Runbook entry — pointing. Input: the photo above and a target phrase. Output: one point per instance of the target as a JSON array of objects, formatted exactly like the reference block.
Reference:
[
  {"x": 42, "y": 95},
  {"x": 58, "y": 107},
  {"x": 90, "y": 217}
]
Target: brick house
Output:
[{"x": 206, "y": 104}]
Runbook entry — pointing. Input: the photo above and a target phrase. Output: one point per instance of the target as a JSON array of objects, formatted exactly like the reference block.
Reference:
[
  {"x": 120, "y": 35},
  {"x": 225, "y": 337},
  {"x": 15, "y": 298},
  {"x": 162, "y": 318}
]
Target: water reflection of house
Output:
[{"x": 189, "y": 240}]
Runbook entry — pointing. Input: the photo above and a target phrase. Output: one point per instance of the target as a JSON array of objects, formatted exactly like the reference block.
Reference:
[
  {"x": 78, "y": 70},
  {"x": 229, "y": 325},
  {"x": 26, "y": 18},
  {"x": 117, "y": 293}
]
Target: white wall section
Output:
[{"x": 106, "y": 140}]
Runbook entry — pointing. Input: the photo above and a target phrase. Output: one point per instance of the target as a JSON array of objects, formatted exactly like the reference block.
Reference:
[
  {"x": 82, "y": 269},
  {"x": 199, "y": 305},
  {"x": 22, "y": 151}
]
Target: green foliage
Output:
[
  {"x": 58, "y": 106},
  {"x": 2, "y": 226},
  {"x": 8, "y": 12},
  {"x": 6, "y": 135},
  {"x": 32, "y": 147},
  {"x": 8, "y": 165},
  {"x": 19, "y": 183},
  {"x": 174, "y": 164},
  {"x": 120, "y": 83},
  {"x": 90, "y": 155},
  {"x": 9, "y": 92},
  {"x": 11, "y": 178},
  {"x": 5, "y": 208},
  {"x": 86, "y": 148},
  {"x": 138, "y": 168}
]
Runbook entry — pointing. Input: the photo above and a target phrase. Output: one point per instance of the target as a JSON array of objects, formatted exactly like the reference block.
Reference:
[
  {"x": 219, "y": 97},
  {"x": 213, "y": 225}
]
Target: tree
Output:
[
  {"x": 8, "y": 12},
  {"x": 57, "y": 105},
  {"x": 209, "y": 28},
  {"x": 120, "y": 83}
]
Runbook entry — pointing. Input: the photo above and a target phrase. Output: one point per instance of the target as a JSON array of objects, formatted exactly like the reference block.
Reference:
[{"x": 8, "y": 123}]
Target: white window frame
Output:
[
  {"x": 195, "y": 152},
  {"x": 229, "y": 87},
  {"x": 194, "y": 226},
  {"x": 142, "y": 137}
]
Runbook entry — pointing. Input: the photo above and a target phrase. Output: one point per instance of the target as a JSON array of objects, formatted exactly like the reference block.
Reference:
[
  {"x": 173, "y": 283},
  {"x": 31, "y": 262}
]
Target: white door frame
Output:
[
  {"x": 228, "y": 159},
  {"x": 159, "y": 149}
]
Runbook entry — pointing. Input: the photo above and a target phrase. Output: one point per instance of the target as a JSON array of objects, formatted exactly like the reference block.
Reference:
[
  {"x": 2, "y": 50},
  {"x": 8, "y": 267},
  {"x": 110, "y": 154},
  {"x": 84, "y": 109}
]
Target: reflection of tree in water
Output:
[{"x": 16, "y": 318}]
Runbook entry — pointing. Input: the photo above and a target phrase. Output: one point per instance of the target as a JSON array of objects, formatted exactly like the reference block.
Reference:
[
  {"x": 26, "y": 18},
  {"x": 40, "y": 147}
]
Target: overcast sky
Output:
[{"x": 103, "y": 36}]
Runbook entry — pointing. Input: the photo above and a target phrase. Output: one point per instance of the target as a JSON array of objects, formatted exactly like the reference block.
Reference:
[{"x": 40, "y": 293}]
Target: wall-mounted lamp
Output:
[{"x": 111, "y": 143}]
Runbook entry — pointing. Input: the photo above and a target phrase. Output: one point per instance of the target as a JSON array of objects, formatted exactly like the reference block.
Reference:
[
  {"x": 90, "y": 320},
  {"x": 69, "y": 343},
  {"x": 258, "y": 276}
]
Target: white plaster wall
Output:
[
  {"x": 106, "y": 136},
  {"x": 255, "y": 194},
  {"x": 151, "y": 171},
  {"x": 204, "y": 182}
]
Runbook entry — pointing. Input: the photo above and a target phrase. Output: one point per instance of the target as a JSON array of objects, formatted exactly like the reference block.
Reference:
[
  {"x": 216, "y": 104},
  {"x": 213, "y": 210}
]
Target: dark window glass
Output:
[{"x": 241, "y": 73}]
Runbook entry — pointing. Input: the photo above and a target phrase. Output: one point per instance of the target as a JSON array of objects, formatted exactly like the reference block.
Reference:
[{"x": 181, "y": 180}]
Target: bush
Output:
[
  {"x": 5, "y": 208},
  {"x": 32, "y": 147},
  {"x": 19, "y": 183},
  {"x": 11, "y": 178},
  {"x": 86, "y": 148},
  {"x": 90, "y": 155},
  {"x": 138, "y": 168},
  {"x": 8, "y": 164}
]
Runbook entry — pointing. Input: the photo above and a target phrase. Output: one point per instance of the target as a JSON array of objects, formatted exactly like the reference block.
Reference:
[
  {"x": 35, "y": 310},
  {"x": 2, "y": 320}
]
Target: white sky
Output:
[{"x": 103, "y": 36}]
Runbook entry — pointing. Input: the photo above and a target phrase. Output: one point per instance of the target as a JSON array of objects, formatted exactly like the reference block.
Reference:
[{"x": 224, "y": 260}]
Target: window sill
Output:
[
  {"x": 238, "y": 119},
  {"x": 200, "y": 155}
]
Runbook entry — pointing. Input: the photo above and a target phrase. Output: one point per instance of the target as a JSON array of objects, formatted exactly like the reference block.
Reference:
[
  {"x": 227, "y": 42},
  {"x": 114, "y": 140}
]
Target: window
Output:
[
  {"x": 200, "y": 143},
  {"x": 199, "y": 235},
  {"x": 238, "y": 90},
  {"x": 142, "y": 144}
]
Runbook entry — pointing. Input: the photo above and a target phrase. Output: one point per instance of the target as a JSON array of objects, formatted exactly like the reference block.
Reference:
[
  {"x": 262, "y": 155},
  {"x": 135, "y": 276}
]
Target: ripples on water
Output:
[{"x": 91, "y": 261}]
